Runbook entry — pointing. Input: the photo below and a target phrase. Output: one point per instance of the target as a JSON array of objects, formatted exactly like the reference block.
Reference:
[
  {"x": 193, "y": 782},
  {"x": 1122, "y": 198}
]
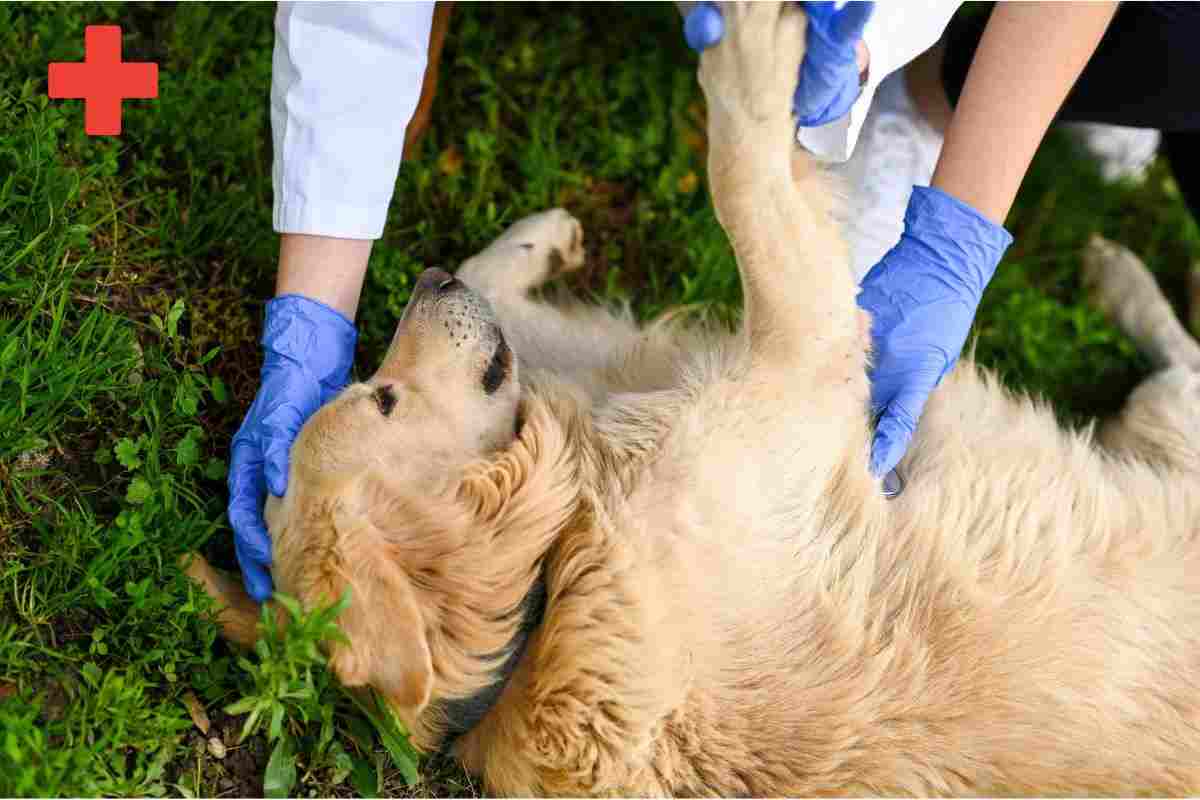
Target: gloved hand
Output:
[
  {"x": 828, "y": 81},
  {"x": 308, "y": 350},
  {"x": 922, "y": 297}
]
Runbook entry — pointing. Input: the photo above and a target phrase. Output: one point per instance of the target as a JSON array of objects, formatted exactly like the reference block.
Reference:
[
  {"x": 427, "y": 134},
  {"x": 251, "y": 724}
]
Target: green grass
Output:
[{"x": 132, "y": 276}]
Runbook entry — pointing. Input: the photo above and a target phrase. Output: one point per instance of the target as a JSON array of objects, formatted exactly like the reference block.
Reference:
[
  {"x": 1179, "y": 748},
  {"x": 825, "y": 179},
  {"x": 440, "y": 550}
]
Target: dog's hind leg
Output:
[
  {"x": 1119, "y": 283},
  {"x": 1161, "y": 419},
  {"x": 1160, "y": 422},
  {"x": 800, "y": 312}
]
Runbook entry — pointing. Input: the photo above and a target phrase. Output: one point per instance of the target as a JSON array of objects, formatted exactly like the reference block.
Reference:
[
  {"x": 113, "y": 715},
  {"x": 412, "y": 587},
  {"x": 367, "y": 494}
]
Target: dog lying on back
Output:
[{"x": 594, "y": 559}]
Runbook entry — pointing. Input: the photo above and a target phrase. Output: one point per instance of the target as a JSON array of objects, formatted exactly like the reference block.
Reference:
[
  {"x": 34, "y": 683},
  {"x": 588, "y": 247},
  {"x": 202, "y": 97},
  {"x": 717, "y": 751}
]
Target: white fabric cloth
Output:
[
  {"x": 345, "y": 80},
  {"x": 896, "y": 33}
]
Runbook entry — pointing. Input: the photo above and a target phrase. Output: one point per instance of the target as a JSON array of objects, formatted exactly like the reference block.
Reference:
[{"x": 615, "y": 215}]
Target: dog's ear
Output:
[{"x": 388, "y": 648}]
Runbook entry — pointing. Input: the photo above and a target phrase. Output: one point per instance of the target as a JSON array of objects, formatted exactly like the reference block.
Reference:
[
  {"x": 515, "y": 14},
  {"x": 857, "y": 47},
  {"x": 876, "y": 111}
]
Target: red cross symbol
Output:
[{"x": 103, "y": 80}]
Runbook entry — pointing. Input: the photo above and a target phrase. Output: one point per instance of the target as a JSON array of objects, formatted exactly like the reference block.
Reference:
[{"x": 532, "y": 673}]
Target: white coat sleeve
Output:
[
  {"x": 345, "y": 81},
  {"x": 896, "y": 33}
]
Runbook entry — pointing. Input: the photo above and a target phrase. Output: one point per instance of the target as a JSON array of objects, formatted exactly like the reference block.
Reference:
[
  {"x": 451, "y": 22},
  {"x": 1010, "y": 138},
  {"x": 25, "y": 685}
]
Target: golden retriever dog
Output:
[{"x": 593, "y": 559}]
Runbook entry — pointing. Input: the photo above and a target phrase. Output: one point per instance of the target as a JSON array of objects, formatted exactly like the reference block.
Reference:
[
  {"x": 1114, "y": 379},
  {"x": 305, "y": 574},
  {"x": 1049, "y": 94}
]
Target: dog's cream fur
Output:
[{"x": 733, "y": 608}]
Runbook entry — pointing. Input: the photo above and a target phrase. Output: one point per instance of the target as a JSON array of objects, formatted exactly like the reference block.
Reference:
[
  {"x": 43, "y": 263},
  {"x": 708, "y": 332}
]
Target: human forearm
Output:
[
  {"x": 1026, "y": 63},
  {"x": 344, "y": 82},
  {"x": 323, "y": 268}
]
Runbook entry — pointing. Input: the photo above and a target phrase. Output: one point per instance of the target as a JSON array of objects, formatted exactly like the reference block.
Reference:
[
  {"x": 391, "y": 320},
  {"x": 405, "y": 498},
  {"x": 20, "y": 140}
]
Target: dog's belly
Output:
[
  {"x": 1050, "y": 601},
  {"x": 1030, "y": 622}
]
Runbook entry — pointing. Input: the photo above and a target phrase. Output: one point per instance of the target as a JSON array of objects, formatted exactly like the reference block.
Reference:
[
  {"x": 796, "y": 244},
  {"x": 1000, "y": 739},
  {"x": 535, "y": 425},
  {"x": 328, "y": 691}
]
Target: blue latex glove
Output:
[
  {"x": 308, "y": 350},
  {"x": 828, "y": 82},
  {"x": 922, "y": 297}
]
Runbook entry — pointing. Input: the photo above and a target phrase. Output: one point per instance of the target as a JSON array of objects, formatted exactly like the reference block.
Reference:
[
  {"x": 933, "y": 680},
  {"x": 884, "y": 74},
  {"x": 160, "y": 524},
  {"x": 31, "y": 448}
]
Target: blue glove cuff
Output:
[
  {"x": 952, "y": 234},
  {"x": 315, "y": 337}
]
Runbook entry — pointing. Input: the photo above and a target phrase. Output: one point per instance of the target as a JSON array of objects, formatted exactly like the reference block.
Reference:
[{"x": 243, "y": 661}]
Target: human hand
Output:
[
  {"x": 922, "y": 297},
  {"x": 829, "y": 74},
  {"x": 308, "y": 350}
]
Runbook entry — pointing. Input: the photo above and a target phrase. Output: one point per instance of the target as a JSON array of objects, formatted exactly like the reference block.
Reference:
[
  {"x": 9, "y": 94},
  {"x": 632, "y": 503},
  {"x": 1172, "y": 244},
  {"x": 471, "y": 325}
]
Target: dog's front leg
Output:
[{"x": 800, "y": 313}]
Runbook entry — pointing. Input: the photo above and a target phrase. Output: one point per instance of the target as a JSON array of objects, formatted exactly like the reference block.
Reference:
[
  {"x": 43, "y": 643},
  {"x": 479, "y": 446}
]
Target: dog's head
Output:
[
  {"x": 374, "y": 474},
  {"x": 426, "y": 493},
  {"x": 446, "y": 393}
]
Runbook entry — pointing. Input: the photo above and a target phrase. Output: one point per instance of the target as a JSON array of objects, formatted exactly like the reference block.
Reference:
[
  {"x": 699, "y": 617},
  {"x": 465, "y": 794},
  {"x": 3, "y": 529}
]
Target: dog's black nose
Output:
[{"x": 436, "y": 281}]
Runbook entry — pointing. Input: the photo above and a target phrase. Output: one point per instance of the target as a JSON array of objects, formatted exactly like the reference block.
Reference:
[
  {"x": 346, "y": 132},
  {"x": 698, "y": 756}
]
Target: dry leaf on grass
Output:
[{"x": 197, "y": 712}]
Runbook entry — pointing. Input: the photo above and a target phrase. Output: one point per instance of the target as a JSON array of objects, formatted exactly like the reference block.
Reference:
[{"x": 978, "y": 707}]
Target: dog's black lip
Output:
[{"x": 498, "y": 368}]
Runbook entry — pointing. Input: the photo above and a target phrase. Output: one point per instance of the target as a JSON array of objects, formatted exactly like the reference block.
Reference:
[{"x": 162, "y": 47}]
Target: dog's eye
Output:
[
  {"x": 385, "y": 398},
  {"x": 499, "y": 367}
]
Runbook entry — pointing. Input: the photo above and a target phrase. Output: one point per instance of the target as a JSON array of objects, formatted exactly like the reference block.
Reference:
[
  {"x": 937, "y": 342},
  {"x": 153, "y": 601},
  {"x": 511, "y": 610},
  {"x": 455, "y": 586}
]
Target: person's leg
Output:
[
  {"x": 1182, "y": 149},
  {"x": 421, "y": 117}
]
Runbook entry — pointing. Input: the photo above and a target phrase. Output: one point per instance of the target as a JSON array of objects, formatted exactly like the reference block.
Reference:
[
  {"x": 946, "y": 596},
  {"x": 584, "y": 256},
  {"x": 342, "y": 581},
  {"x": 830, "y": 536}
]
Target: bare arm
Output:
[
  {"x": 345, "y": 80},
  {"x": 1026, "y": 63},
  {"x": 323, "y": 268}
]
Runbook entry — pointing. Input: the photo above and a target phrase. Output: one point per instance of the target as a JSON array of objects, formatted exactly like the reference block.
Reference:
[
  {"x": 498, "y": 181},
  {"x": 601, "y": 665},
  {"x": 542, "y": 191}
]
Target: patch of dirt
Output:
[
  {"x": 238, "y": 773},
  {"x": 441, "y": 776}
]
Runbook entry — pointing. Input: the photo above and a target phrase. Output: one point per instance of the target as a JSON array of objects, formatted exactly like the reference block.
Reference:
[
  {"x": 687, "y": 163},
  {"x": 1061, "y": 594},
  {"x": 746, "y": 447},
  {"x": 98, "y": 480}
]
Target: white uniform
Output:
[
  {"x": 345, "y": 81},
  {"x": 346, "y": 78}
]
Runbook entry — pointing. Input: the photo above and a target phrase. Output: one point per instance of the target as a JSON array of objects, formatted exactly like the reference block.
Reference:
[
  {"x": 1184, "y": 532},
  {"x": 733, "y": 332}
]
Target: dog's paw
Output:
[
  {"x": 1111, "y": 274},
  {"x": 532, "y": 251},
  {"x": 1121, "y": 286},
  {"x": 553, "y": 239},
  {"x": 752, "y": 72}
]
